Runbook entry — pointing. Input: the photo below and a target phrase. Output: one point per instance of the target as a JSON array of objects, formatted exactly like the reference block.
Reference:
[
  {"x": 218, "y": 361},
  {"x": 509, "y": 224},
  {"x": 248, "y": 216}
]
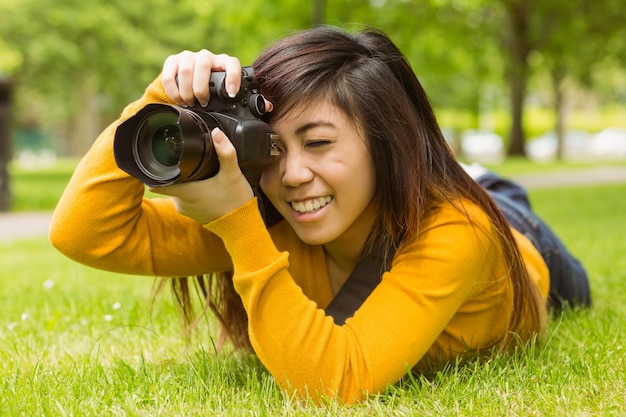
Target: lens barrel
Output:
[{"x": 168, "y": 144}]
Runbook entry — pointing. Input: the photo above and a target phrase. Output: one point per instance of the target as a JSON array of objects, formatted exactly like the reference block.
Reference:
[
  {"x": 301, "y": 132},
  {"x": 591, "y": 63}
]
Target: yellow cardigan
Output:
[{"x": 446, "y": 292}]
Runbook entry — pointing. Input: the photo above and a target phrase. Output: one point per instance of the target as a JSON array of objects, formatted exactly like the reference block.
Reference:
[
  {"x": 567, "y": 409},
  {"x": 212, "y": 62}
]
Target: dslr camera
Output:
[{"x": 163, "y": 144}]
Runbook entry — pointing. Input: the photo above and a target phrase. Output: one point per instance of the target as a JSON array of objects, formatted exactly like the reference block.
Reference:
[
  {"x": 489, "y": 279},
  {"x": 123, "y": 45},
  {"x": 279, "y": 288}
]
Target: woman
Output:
[{"x": 364, "y": 177}]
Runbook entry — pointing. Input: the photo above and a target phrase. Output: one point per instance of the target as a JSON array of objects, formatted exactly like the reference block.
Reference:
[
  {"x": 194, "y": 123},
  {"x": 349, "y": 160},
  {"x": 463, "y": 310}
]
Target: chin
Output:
[{"x": 313, "y": 238}]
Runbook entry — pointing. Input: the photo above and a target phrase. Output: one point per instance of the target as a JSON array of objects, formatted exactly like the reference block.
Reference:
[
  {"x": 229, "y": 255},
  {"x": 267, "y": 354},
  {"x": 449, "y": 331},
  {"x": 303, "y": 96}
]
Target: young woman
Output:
[{"x": 364, "y": 180}]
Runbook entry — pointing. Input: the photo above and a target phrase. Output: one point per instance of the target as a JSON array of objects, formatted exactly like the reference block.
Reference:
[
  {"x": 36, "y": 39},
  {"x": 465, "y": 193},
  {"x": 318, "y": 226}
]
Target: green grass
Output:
[
  {"x": 39, "y": 189},
  {"x": 77, "y": 341},
  {"x": 521, "y": 166}
]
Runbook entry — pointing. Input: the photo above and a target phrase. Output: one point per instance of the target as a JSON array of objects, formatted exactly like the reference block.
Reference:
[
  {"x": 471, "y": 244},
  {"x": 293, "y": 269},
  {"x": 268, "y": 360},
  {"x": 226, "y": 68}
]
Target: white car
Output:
[
  {"x": 543, "y": 148},
  {"x": 609, "y": 143},
  {"x": 482, "y": 146}
]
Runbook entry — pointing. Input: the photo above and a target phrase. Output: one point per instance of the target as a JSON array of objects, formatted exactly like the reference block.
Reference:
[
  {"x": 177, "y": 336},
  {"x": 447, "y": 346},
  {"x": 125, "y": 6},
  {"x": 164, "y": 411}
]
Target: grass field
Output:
[
  {"x": 77, "y": 341},
  {"x": 39, "y": 189}
]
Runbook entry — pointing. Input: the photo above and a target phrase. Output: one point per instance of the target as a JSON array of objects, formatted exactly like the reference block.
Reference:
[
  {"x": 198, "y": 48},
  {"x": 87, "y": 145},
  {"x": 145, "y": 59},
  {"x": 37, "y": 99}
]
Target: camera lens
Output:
[
  {"x": 167, "y": 145},
  {"x": 159, "y": 145}
]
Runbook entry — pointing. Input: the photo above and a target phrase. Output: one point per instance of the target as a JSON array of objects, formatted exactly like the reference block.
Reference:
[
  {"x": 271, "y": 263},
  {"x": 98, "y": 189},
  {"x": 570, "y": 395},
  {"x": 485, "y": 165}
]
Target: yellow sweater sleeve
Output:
[
  {"x": 446, "y": 291},
  {"x": 104, "y": 221}
]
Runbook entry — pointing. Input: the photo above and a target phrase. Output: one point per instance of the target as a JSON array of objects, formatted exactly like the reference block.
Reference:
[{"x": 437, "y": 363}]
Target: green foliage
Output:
[
  {"x": 39, "y": 189},
  {"x": 77, "y": 63}
]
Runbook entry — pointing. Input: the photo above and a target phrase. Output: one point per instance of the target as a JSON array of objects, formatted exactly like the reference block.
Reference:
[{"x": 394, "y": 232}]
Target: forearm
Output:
[
  {"x": 104, "y": 221},
  {"x": 293, "y": 337}
]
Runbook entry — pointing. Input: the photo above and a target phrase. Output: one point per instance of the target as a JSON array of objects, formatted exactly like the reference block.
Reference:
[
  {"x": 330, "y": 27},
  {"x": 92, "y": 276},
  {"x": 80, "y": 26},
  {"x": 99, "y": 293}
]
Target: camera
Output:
[{"x": 164, "y": 144}]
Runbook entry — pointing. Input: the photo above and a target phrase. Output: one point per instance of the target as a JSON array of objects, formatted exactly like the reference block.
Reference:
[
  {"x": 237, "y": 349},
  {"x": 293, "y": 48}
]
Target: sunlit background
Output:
[
  {"x": 542, "y": 79},
  {"x": 511, "y": 81}
]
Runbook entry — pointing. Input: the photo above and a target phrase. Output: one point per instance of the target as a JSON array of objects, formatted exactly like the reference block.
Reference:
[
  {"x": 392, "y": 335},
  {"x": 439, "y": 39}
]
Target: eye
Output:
[{"x": 317, "y": 143}]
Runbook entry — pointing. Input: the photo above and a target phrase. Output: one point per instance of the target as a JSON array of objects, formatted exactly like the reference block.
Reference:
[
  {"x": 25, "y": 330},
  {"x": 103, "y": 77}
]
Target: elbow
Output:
[
  {"x": 79, "y": 244},
  {"x": 71, "y": 234},
  {"x": 79, "y": 239},
  {"x": 62, "y": 236}
]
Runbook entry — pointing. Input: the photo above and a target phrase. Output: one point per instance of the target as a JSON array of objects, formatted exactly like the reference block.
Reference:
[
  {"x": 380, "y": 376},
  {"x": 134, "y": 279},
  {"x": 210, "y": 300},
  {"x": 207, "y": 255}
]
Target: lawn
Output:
[
  {"x": 77, "y": 341},
  {"x": 39, "y": 189}
]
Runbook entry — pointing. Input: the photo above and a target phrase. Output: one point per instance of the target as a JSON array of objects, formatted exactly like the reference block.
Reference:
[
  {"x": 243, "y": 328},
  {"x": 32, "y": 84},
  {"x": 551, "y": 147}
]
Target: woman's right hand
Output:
[{"x": 193, "y": 70}]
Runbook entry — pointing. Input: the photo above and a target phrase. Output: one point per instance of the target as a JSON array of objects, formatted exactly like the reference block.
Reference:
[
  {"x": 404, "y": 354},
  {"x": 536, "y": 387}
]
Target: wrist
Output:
[{"x": 246, "y": 239}]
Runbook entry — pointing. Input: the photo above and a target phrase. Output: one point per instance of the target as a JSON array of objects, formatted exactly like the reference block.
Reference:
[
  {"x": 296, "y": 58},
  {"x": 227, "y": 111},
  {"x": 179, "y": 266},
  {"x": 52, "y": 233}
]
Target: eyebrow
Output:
[{"x": 312, "y": 125}]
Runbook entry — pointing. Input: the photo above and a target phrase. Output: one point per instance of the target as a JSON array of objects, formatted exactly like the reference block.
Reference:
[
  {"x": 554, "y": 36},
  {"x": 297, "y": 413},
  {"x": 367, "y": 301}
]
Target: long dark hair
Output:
[{"x": 368, "y": 77}]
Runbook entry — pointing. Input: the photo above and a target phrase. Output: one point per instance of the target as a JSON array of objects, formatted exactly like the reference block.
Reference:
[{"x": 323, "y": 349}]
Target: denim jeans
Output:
[{"x": 569, "y": 284}]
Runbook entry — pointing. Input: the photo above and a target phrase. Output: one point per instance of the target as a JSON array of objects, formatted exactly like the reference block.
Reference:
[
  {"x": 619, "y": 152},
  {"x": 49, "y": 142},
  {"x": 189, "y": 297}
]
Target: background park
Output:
[{"x": 535, "y": 90}]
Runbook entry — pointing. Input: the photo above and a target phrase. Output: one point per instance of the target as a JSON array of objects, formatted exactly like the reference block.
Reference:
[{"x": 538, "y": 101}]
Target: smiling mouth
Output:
[{"x": 309, "y": 206}]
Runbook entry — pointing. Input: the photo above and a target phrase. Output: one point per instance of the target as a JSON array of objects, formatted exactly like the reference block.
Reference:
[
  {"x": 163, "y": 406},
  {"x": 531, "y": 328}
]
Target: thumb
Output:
[{"x": 226, "y": 152}]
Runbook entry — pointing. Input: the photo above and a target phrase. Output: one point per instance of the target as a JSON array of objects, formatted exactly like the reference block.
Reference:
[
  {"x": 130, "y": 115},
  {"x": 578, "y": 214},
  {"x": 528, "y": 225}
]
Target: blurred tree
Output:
[
  {"x": 518, "y": 41},
  {"x": 76, "y": 59},
  {"x": 5, "y": 142},
  {"x": 580, "y": 38},
  {"x": 76, "y": 63},
  {"x": 450, "y": 48},
  {"x": 573, "y": 38},
  {"x": 319, "y": 12}
]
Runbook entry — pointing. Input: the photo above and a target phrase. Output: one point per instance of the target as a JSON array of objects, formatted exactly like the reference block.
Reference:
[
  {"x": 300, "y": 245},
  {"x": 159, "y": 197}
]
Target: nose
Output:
[{"x": 295, "y": 170}]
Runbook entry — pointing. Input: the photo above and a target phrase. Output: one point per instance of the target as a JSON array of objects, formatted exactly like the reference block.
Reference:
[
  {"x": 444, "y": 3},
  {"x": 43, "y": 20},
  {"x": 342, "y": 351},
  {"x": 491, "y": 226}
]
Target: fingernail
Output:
[
  {"x": 214, "y": 132},
  {"x": 231, "y": 89}
]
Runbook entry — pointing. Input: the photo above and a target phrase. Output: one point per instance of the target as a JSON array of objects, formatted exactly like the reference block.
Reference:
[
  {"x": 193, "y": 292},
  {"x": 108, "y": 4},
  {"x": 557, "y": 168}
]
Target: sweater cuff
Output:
[{"x": 246, "y": 238}]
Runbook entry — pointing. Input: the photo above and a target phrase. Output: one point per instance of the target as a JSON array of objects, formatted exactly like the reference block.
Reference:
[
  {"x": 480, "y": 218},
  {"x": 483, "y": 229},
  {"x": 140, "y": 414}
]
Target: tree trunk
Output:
[
  {"x": 559, "y": 110},
  {"x": 518, "y": 96},
  {"x": 84, "y": 127},
  {"x": 5, "y": 144},
  {"x": 519, "y": 48},
  {"x": 319, "y": 12}
]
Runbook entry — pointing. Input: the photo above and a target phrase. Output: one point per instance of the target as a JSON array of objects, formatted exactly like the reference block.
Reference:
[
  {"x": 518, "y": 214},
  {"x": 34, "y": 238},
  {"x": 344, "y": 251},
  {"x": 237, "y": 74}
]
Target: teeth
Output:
[{"x": 310, "y": 205}]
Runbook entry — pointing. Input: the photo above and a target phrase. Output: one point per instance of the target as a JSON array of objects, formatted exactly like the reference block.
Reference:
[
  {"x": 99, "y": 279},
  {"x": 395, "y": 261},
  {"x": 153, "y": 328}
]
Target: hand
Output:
[
  {"x": 193, "y": 70},
  {"x": 209, "y": 199}
]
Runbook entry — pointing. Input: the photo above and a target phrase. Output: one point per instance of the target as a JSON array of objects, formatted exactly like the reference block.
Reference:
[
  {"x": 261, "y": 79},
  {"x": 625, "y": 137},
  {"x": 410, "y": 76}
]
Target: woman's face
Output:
[{"x": 323, "y": 181}]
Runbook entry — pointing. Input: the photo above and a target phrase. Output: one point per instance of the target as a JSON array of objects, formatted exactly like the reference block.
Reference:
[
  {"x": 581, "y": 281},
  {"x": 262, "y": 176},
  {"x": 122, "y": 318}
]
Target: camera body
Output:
[{"x": 164, "y": 144}]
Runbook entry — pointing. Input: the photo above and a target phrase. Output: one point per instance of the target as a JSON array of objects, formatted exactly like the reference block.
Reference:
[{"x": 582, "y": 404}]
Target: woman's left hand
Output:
[{"x": 207, "y": 200}]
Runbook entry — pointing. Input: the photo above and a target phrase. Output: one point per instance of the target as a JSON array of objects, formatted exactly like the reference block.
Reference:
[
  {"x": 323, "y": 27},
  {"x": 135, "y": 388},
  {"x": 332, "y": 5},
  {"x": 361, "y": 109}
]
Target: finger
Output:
[
  {"x": 169, "y": 190},
  {"x": 186, "y": 73},
  {"x": 204, "y": 65},
  {"x": 168, "y": 78},
  {"x": 207, "y": 62},
  {"x": 269, "y": 106},
  {"x": 232, "y": 66},
  {"x": 226, "y": 152}
]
